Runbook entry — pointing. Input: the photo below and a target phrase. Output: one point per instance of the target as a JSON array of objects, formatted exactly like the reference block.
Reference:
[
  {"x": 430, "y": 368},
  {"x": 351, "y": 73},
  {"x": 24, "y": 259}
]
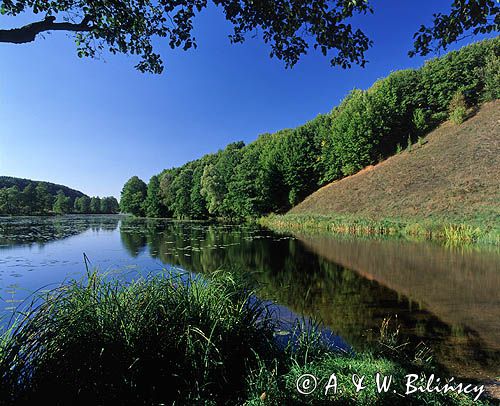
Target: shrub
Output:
[
  {"x": 458, "y": 115},
  {"x": 458, "y": 100},
  {"x": 457, "y": 108},
  {"x": 420, "y": 121},
  {"x": 491, "y": 77}
]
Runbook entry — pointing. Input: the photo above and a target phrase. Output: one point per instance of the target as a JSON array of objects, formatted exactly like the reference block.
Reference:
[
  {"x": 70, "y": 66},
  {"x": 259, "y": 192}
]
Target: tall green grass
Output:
[
  {"x": 172, "y": 339},
  {"x": 436, "y": 230},
  {"x": 160, "y": 340}
]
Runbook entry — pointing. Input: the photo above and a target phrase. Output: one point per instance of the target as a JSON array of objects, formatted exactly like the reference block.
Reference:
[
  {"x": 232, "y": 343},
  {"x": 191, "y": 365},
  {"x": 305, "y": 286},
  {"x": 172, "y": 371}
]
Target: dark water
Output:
[{"x": 447, "y": 298}]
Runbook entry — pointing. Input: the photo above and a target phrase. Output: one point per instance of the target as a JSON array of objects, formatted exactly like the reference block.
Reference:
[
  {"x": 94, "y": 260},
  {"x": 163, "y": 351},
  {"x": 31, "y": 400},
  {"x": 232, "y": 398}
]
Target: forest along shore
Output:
[
  {"x": 444, "y": 188},
  {"x": 416, "y": 154}
]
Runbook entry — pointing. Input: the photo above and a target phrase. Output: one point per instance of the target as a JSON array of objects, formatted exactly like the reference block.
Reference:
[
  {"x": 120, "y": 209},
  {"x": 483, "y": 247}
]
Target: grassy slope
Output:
[{"x": 453, "y": 176}]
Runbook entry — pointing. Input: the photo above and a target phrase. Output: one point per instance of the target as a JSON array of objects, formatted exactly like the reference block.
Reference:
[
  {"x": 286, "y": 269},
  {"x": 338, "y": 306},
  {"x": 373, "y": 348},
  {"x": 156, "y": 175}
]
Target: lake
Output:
[{"x": 447, "y": 298}]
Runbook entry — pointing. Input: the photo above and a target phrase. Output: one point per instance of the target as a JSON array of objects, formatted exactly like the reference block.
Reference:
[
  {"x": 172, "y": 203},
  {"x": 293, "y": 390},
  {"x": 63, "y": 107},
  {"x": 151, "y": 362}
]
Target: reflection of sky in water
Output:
[
  {"x": 27, "y": 267},
  {"x": 24, "y": 269}
]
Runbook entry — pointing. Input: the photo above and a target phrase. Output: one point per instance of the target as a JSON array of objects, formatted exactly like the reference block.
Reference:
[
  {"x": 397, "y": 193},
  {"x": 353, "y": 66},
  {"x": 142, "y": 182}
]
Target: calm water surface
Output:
[{"x": 447, "y": 298}]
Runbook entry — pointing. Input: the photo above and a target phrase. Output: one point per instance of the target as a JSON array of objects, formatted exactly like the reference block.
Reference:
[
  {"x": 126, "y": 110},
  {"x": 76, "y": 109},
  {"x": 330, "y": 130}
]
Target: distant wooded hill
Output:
[
  {"x": 31, "y": 197},
  {"x": 52, "y": 188}
]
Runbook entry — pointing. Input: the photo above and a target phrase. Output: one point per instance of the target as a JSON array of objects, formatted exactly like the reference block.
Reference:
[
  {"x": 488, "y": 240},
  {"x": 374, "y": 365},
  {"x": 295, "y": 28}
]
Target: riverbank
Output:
[
  {"x": 445, "y": 187},
  {"x": 174, "y": 339},
  {"x": 425, "y": 229}
]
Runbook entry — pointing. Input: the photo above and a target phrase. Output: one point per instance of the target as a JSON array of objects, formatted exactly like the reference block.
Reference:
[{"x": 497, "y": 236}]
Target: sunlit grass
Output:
[
  {"x": 162, "y": 338},
  {"x": 437, "y": 230}
]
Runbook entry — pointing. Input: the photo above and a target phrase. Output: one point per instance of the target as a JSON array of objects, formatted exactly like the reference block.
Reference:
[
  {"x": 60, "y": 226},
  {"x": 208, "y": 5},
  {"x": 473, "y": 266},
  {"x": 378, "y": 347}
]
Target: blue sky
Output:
[{"x": 92, "y": 124}]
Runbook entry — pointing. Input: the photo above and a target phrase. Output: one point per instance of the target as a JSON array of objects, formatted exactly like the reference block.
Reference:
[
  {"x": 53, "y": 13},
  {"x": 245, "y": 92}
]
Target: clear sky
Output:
[{"x": 92, "y": 124}]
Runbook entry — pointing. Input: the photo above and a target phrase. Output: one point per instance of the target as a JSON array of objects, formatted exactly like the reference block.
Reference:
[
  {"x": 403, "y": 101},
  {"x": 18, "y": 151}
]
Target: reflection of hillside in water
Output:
[
  {"x": 305, "y": 277},
  {"x": 459, "y": 286},
  {"x": 15, "y": 231}
]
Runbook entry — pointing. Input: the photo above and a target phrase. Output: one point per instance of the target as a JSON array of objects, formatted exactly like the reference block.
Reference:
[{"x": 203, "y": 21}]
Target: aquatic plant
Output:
[{"x": 429, "y": 229}]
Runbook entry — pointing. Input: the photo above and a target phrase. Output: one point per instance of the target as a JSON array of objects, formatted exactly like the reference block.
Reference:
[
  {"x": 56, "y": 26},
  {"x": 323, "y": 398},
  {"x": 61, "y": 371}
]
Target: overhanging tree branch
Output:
[
  {"x": 28, "y": 32},
  {"x": 289, "y": 27}
]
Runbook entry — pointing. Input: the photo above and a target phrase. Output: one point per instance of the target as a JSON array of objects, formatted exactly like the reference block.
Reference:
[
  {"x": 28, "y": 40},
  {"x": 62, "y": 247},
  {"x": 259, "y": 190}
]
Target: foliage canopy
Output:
[
  {"x": 28, "y": 197},
  {"x": 290, "y": 27},
  {"x": 132, "y": 196}
]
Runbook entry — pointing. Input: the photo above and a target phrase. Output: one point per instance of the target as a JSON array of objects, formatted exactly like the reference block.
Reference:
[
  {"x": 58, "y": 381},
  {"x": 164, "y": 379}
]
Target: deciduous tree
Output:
[
  {"x": 95, "y": 205},
  {"x": 44, "y": 198},
  {"x": 109, "y": 205},
  {"x": 132, "y": 196},
  {"x": 62, "y": 203},
  {"x": 152, "y": 204}
]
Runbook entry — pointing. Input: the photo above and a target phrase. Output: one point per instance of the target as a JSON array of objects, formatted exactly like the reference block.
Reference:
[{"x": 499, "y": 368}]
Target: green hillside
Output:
[
  {"x": 279, "y": 170},
  {"x": 52, "y": 188},
  {"x": 453, "y": 173},
  {"x": 445, "y": 186}
]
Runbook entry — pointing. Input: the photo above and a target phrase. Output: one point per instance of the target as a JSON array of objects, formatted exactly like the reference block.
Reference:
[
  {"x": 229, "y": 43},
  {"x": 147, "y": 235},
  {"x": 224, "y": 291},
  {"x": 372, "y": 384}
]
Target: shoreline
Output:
[
  {"x": 446, "y": 232},
  {"x": 209, "y": 337}
]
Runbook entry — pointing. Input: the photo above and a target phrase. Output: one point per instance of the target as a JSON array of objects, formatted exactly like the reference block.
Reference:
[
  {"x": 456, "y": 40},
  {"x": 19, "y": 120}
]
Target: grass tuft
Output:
[
  {"x": 160, "y": 339},
  {"x": 176, "y": 339}
]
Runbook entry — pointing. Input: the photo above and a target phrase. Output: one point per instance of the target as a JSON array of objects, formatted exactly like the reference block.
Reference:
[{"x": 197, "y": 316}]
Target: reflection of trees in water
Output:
[
  {"x": 354, "y": 308},
  {"x": 133, "y": 236},
  {"x": 284, "y": 270},
  {"x": 41, "y": 230}
]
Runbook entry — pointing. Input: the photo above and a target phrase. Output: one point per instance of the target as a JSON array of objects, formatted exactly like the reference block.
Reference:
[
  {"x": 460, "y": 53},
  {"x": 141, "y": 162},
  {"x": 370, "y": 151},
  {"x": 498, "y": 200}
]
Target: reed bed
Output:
[{"x": 435, "y": 230}]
